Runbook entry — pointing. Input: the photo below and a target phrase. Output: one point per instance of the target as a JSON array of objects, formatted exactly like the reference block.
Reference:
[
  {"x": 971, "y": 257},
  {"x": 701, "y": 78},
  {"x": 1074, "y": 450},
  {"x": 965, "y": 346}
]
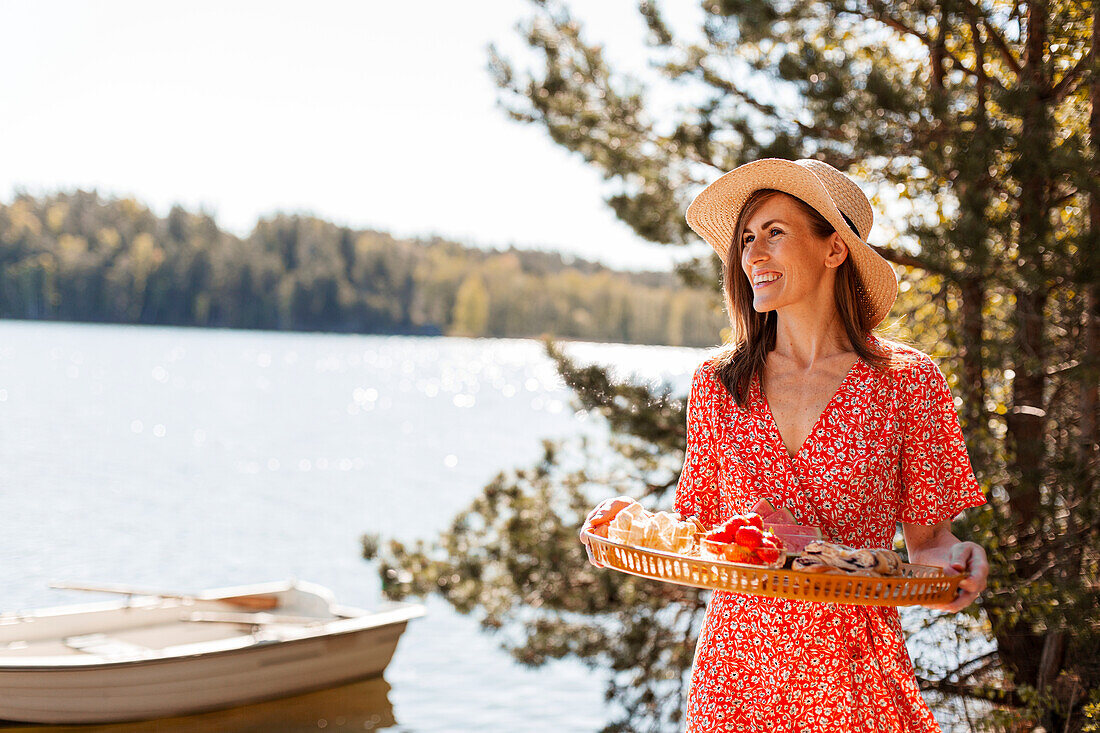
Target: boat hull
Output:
[{"x": 257, "y": 667}]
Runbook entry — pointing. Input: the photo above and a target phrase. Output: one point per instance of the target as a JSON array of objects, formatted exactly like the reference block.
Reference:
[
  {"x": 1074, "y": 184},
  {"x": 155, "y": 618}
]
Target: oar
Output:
[{"x": 258, "y": 602}]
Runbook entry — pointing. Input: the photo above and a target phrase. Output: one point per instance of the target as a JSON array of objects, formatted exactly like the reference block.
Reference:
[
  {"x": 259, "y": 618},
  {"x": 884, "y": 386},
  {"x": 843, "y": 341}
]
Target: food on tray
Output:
[
  {"x": 795, "y": 536},
  {"x": 828, "y": 557},
  {"x": 771, "y": 515},
  {"x": 625, "y": 520},
  {"x": 629, "y": 525},
  {"x": 727, "y": 531},
  {"x": 605, "y": 512},
  {"x": 783, "y": 525},
  {"x": 742, "y": 538}
]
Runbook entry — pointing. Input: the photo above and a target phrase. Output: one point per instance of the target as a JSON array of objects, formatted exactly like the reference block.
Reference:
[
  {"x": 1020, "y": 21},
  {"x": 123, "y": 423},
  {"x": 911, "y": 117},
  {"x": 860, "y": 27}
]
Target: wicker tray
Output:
[{"x": 919, "y": 584}]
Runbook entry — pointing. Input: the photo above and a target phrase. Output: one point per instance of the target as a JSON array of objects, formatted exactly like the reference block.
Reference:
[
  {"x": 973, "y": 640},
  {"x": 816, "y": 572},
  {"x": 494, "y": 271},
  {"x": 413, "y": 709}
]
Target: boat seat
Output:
[{"x": 103, "y": 645}]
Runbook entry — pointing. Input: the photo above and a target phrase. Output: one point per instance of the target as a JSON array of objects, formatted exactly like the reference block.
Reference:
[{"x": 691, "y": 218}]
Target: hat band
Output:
[{"x": 850, "y": 224}]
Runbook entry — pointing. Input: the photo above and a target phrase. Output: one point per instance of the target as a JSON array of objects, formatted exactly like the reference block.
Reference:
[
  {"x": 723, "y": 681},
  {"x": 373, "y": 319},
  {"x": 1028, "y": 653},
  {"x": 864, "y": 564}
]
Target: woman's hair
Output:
[{"x": 753, "y": 334}]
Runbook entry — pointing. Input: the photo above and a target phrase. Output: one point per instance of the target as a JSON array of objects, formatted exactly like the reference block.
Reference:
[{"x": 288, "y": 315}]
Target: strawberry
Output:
[
  {"x": 767, "y": 554},
  {"x": 727, "y": 531},
  {"x": 770, "y": 540},
  {"x": 718, "y": 534},
  {"x": 749, "y": 536}
]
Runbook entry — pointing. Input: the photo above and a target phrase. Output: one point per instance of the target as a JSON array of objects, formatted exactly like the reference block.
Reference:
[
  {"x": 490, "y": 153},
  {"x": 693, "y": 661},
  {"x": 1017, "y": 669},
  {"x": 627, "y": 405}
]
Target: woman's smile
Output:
[{"x": 762, "y": 281}]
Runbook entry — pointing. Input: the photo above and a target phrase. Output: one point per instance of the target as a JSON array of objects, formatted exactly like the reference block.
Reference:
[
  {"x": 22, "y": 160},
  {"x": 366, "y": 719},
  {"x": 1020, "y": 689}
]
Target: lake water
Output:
[{"x": 182, "y": 459}]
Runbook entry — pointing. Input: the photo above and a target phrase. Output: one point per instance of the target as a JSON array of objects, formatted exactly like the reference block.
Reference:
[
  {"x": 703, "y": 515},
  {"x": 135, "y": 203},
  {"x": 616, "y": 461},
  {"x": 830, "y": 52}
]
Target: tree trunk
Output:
[
  {"x": 1022, "y": 648},
  {"x": 1090, "y": 399},
  {"x": 973, "y": 297}
]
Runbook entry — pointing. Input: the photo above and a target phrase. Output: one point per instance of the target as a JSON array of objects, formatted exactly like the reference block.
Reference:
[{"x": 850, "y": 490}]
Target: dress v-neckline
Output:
[{"x": 828, "y": 406}]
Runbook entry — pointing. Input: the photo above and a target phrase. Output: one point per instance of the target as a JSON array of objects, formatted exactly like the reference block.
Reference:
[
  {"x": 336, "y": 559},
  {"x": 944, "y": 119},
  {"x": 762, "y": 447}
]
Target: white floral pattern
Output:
[{"x": 887, "y": 448}]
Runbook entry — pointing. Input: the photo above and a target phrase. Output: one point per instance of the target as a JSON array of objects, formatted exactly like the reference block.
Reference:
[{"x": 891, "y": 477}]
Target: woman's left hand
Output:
[{"x": 969, "y": 558}]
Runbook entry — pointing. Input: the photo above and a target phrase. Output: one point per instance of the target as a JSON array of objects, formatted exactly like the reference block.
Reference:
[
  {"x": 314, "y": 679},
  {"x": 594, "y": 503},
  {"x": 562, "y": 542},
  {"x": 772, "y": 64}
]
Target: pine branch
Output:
[
  {"x": 729, "y": 88},
  {"x": 662, "y": 36},
  {"x": 997, "y": 38},
  {"x": 971, "y": 668},
  {"x": 977, "y": 692},
  {"x": 877, "y": 12},
  {"x": 1068, "y": 83},
  {"x": 979, "y": 64}
]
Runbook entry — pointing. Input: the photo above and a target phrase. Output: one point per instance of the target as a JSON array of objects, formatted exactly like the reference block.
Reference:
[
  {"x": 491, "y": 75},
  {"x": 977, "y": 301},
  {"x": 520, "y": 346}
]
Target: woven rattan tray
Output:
[{"x": 919, "y": 584}]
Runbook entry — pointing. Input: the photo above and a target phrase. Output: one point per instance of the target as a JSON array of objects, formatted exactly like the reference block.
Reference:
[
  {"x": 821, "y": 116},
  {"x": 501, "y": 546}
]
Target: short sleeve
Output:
[
  {"x": 697, "y": 489},
  {"x": 937, "y": 480}
]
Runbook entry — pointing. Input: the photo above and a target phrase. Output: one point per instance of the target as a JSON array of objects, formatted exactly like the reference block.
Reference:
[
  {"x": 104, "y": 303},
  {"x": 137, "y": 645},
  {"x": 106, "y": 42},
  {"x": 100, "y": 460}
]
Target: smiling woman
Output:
[{"x": 811, "y": 411}]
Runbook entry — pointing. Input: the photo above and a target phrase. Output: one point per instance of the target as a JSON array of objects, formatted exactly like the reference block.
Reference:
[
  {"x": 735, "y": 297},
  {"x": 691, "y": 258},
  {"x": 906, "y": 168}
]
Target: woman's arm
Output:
[{"x": 935, "y": 545}]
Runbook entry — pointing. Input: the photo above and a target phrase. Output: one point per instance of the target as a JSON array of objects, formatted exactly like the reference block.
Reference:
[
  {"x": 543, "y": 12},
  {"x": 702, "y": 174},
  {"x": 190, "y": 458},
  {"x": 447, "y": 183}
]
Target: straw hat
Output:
[{"x": 713, "y": 216}]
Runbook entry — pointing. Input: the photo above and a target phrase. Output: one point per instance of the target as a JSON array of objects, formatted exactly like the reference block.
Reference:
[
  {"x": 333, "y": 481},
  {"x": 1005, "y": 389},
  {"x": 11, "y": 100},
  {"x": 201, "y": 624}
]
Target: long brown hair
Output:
[{"x": 753, "y": 334}]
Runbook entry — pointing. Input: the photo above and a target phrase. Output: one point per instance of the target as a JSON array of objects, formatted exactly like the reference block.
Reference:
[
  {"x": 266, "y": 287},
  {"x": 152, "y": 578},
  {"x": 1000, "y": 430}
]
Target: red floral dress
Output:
[{"x": 887, "y": 448}]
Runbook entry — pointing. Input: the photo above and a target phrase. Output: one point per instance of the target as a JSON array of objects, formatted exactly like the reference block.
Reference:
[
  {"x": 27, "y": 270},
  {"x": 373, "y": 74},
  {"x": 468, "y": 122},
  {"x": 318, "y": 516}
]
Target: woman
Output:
[{"x": 810, "y": 411}]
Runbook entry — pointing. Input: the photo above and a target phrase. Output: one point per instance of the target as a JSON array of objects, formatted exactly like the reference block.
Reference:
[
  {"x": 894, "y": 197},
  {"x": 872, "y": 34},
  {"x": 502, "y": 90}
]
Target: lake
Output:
[{"x": 182, "y": 459}]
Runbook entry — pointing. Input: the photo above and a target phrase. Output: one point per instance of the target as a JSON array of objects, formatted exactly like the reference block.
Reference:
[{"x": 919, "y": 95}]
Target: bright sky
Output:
[{"x": 370, "y": 114}]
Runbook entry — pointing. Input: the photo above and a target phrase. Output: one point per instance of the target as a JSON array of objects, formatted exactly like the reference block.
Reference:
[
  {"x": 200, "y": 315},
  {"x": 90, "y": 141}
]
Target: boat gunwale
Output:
[{"x": 327, "y": 628}]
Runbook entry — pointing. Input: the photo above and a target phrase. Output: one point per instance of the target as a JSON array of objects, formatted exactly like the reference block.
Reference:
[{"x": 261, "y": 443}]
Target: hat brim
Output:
[{"x": 714, "y": 211}]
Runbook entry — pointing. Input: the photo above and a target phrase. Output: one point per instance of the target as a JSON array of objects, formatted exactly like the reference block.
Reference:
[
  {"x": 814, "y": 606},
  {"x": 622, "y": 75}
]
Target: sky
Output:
[{"x": 370, "y": 114}]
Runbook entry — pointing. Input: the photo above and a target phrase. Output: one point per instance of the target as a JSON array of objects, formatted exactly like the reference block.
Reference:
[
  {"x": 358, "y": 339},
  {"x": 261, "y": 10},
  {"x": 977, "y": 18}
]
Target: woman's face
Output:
[{"x": 783, "y": 258}]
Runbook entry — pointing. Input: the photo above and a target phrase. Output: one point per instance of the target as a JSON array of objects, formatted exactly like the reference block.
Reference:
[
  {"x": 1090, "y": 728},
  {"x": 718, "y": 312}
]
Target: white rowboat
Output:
[{"x": 158, "y": 655}]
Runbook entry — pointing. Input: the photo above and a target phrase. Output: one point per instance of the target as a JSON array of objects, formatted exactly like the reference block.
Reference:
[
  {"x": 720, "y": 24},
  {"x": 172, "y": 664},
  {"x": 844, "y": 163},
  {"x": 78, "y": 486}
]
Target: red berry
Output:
[
  {"x": 767, "y": 554},
  {"x": 750, "y": 537},
  {"x": 755, "y": 520},
  {"x": 718, "y": 534},
  {"x": 770, "y": 540},
  {"x": 736, "y": 522},
  {"x": 726, "y": 531}
]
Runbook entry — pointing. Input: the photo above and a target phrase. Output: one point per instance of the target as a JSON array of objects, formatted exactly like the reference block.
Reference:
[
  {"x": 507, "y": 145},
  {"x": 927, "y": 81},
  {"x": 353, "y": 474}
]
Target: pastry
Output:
[
  {"x": 824, "y": 557},
  {"x": 633, "y": 525},
  {"x": 603, "y": 514},
  {"x": 628, "y": 526}
]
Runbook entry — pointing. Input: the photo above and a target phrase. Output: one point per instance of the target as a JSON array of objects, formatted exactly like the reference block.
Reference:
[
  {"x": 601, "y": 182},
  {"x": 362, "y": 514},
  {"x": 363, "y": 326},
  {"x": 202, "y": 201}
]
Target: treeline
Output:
[{"x": 81, "y": 257}]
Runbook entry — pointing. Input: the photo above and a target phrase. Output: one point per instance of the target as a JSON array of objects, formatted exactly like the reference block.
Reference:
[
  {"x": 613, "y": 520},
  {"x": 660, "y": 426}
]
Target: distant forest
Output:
[{"x": 82, "y": 257}]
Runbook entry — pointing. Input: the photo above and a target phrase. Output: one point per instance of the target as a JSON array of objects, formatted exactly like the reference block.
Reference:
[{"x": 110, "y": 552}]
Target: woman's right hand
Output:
[{"x": 601, "y": 516}]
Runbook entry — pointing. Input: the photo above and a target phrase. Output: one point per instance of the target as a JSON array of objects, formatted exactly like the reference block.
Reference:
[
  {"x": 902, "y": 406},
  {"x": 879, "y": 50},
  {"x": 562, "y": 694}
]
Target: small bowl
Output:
[{"x": 728, "y": 551}]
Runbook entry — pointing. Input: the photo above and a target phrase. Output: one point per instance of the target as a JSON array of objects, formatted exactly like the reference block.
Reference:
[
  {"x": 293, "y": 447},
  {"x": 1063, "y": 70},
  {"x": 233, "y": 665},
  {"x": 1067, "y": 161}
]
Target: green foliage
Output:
[{"x": 77, "y": 257}]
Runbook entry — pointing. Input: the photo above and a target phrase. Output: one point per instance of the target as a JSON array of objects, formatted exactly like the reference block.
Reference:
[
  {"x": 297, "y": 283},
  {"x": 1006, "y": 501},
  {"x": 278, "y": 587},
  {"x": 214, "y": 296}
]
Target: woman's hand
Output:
[
  {"x": 935, "y": 545},
  {"x": 969, "y": 558},
  {"x": 601, "y": 516}
]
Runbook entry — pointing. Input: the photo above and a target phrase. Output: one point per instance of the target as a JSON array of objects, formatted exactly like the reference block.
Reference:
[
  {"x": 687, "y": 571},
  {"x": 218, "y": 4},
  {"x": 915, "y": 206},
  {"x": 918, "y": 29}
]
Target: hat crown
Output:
[{"x": 844, "y": 192}]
